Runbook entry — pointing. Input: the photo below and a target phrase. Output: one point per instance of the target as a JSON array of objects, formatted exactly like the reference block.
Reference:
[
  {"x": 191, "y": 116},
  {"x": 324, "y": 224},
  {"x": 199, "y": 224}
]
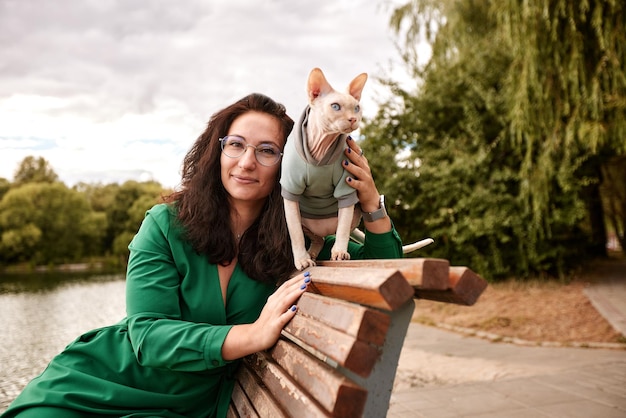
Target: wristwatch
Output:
[{"x": 377, "y": 214}]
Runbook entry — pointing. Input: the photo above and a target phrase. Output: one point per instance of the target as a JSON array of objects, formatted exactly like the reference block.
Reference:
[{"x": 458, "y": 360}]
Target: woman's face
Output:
[{"x": 244, "y": 178}]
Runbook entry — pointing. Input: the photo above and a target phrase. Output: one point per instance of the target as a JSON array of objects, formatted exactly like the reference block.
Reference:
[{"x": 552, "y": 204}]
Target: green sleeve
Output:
[
  {"x": 382, "y": 246},
  {"x": 159, "y": 334}
]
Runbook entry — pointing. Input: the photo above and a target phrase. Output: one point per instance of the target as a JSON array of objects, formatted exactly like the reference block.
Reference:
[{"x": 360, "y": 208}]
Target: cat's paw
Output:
[
  {"x": 339, "y": 255},
  {"x": 303, "y": 263},
  {"x": 302, "y": 260}
]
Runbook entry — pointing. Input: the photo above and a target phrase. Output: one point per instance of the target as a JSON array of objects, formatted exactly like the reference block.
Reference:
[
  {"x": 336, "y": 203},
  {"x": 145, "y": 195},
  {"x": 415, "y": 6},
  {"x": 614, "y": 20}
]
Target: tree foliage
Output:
[
  {"x": 34, "y": 170},
  {"x": 5, "y": 185},
  {"x": 126, "y": 211},
  {"x": 47, "y": 220},
  {"x": 42, "y": 221},
  {"x": 507, "y": 177}
]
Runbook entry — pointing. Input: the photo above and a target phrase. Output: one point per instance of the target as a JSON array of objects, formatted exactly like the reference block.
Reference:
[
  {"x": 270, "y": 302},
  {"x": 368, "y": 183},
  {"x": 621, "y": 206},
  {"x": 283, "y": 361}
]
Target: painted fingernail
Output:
[
  {"x": 307, "y": 280},
  {"x": 349, "y": 179},
  {"x": 293, "y": 308},
  {"x": 307, "y": 273},
  {"x": 303, "y": 287},
  {"x": 345, "y": 162},
  {"x": 349, "y": 150},
  {"x": 349, "y": 138}
]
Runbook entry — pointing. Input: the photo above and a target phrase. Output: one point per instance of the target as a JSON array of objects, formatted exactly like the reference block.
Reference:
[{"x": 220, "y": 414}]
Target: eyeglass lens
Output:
[{"x": 235, "y": 146}]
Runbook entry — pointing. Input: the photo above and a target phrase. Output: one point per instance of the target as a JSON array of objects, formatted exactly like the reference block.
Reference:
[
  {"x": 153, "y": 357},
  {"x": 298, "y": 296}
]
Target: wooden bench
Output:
[{"x": 338, "y": 356}]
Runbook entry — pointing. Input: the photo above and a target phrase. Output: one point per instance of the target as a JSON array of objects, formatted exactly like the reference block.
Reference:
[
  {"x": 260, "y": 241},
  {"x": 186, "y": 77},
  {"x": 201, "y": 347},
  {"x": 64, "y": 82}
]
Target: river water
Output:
[{"x": 41, "y": 314}]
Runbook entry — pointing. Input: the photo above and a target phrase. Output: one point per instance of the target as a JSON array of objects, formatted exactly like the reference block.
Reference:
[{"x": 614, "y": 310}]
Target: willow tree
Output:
[
  {"x": 567, "y": 95},
  {"x": 563, "y": 93}
]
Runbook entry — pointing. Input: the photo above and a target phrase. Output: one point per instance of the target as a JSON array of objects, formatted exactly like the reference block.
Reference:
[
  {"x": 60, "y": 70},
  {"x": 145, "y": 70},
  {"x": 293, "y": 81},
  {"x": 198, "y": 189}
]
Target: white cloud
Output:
[{"x": 116, "y": 90}]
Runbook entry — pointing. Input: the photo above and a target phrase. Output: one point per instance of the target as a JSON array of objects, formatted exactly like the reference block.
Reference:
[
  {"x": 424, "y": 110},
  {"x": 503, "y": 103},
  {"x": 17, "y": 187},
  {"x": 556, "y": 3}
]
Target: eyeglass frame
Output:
[{"x": 278, "y": 158}]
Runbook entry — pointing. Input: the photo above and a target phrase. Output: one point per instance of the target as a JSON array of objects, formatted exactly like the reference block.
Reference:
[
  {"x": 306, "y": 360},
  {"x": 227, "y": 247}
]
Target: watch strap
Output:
[{"x": 377, "y": 214}]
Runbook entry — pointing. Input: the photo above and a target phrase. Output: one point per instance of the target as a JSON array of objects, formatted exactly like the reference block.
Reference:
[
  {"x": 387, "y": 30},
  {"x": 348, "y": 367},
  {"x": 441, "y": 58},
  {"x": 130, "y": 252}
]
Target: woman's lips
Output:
[{"x": 244, "y": 179}]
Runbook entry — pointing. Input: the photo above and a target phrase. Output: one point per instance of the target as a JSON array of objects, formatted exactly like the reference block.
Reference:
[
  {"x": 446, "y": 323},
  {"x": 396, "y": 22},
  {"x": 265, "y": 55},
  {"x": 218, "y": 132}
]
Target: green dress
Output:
[{"x": 164, "y": 359}]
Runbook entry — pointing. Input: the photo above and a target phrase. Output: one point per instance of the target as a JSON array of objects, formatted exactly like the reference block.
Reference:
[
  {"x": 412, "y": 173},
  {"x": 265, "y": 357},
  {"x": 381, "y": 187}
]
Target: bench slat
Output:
[
  {"x": 429, "y": 273},
  {"x": 464, "y": 288},
  {"x": 366, "y": 324},
  {"x": 256, "y": 401},
  {"x": 336, "y": 393},
  {"x": 346, "y": 350},
  {"x": 240, "y": 405},
  {"x": 293, "y": 399},
  {"x": 381, "y": 288},
  {"x": 232, "y": 410}
]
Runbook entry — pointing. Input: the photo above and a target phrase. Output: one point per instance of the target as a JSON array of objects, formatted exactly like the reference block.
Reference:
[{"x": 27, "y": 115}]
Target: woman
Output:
[{"x": 201, "y": 282}]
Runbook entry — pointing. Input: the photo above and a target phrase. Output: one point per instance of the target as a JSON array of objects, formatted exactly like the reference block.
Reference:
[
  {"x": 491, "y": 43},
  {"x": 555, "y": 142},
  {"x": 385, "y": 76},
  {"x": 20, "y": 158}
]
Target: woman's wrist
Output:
[
  {"x": 375, "y": 217},
  {"x": 371, "y": 205},
  {"x": 241, "y": 341},
  {"x": 375, "y": 212}
]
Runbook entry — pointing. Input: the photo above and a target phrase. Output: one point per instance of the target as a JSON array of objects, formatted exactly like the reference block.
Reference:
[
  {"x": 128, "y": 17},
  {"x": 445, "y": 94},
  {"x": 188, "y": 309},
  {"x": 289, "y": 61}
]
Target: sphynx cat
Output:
[{"x": 318, "y": 201}]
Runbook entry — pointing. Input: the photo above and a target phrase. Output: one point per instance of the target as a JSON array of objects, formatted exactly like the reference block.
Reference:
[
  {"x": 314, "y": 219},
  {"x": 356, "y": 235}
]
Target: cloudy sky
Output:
[{"x": 112, "y": 90}]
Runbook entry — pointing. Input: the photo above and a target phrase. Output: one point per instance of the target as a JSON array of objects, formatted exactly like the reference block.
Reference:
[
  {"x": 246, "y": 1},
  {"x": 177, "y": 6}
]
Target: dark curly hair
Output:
[{"x": 204, "y": 209}]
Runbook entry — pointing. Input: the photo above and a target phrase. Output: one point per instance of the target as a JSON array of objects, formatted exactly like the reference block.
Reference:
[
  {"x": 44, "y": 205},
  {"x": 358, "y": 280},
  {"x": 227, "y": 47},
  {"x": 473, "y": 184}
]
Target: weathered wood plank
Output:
[
  {"x": 346, "y": 350},
  {"x": 429, "y": 273},
  {"x": 240, "y": 404},
  {"x": 232, "y": 411},
  {"x": 377, "y": 287},
  {"x": 293, "y": 399},
  {"x": 465, "y": 286},
  {"x": 334, "y": 391},
  {"x": 260, "y": 401},
  {"x": 366, "y": 324}
]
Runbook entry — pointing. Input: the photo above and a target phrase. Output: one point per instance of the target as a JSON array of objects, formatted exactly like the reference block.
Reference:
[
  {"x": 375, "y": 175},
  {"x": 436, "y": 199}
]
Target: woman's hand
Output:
[
  {"x": 361, "y": 179},
  {"x": 280, "y": 308},
  {"x": 361, "y": 176},
  {"x": 264, "y": 332}
]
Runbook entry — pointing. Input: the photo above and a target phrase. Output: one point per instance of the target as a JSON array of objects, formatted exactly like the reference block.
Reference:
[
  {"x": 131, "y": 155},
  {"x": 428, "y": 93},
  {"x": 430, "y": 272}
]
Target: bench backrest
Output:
[{"x": 338, "y": 356}]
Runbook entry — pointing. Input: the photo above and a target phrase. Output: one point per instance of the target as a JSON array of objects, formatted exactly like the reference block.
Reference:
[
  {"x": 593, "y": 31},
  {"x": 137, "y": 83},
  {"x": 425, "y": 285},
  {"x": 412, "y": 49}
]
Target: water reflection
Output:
[
  {"x": 42, "y": 313},
  {"x": 46, "y": 281}
]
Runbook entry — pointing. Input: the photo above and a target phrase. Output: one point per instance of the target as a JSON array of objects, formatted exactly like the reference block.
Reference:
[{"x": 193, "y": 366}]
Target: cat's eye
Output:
[
  {"x": 357, "y": 109},
  {"x": 234, "y": 146},
  {"x": 335, "y": 106}
]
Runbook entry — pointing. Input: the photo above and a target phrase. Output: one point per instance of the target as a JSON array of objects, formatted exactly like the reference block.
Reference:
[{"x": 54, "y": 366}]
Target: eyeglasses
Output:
[{"x": 266, "y": 154}]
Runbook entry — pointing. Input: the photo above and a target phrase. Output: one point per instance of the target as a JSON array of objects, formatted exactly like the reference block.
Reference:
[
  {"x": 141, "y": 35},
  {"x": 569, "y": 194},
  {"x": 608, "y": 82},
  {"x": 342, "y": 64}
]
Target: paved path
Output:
[
  {"x": 445, "y": 374},
  {"x": 608, "y": 293}
]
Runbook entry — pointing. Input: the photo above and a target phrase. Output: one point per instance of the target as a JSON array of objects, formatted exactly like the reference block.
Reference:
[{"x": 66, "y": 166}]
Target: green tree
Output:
[
  {"x": 47, "y": 223},
  {"x": 567, "y": 97},
  {"x": 508, "y": 178},
  {"x": 100, "y": 196},
  {"x": 123, "y": 207},
  {"x": 126, "y": 212},
  {"x": 34, "y": 170},
  {"x": 5, "y": 185},
  {"x": 464, "y": 194}
]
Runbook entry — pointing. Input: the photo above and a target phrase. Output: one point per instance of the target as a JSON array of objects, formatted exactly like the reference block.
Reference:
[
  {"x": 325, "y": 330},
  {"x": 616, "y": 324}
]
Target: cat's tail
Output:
[
  {"x": 409, "y": 248},
  {"x": 359, "y": 236}
]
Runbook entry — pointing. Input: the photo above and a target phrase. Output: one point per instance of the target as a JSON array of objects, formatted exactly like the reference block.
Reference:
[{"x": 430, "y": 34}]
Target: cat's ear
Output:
[
  {"x": 317, "y": 85},
  {"x": 356, "y": 86}
]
